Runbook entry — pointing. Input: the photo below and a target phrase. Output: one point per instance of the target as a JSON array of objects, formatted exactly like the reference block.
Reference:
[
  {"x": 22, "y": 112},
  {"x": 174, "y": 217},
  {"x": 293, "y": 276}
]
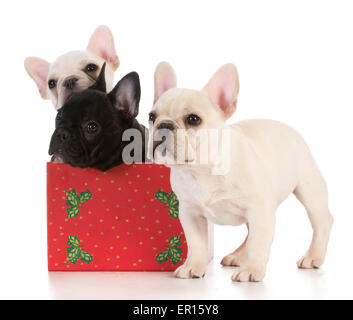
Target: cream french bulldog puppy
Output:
[
  {"x": 75, "y": 71},
  {"x": 267, "y": 162}
]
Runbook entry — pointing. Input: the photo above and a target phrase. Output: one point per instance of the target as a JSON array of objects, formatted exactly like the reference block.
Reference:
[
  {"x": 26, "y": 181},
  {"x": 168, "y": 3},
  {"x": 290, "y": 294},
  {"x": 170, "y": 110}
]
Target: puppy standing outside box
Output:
[{"x": 257, "y": 165}]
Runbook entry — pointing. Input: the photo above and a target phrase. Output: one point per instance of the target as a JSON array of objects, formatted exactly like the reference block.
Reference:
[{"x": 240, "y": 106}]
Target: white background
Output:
[{"x": 295, "y": 61}]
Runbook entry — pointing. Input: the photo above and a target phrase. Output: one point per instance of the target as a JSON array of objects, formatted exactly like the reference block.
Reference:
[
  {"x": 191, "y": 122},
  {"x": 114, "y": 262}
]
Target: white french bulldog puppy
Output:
[
  {"x": 75, "y": 70},
  {"x": 267, "y": 162}
]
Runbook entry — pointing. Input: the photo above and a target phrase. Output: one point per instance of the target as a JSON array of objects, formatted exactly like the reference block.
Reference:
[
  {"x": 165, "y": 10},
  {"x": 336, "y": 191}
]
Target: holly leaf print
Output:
[
  {"x": 174, "y": 253},
  {"x": 74, "y": 252},
  {"x": 72, "y": 199},
  {"x": 85, "y": 196},
  {"x": 86, "y": 257},
  {"x": 175, "y": 241},
  {"x": 162, "y": 257},
  {"x": 161, "y": 196},
  {"x": 173, "y": 212},
  {"x": 173, "y": 200},
  {"x": 73, "y": 241},
  {"x": 75, "y": 201},
  {"x": 72, "y": 212},
  {"x": 170, "y": 200}
]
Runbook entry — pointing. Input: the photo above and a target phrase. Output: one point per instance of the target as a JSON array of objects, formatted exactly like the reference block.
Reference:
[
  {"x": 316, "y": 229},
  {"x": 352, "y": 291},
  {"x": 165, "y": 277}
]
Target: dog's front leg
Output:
[
  {"x": 261, "y": 220},
  {"x": 196, "y": 232}
]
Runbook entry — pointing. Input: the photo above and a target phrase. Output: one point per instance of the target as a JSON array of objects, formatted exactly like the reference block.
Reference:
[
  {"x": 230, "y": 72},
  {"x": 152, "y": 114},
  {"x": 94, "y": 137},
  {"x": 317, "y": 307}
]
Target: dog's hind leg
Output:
[
  {"x": 311, "y": 191},
  {"x": 235, "y": 258}
]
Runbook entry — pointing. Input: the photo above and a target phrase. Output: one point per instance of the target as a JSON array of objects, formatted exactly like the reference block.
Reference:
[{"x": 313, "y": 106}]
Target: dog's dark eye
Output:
[
  {"x": 91, "y": 67},
  {"x": 193, "y": 120},
  {"x": 152, "y": 117},
  {"x": 92, "y": 127},
  {"x": 51, "y": 84}
]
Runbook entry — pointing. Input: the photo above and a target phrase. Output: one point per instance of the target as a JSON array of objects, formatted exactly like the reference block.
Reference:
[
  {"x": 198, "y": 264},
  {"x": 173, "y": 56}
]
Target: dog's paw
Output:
[
  {"x": 249, "y": 274},
  {"x": 189, "y": 270},
  {"x": 234, "y": 259},
  {"x": 310, "y": 262}
]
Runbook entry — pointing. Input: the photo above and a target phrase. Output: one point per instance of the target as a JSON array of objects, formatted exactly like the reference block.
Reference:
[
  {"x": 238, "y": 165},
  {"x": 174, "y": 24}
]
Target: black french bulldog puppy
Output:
[{"x": 90, "y": 125}]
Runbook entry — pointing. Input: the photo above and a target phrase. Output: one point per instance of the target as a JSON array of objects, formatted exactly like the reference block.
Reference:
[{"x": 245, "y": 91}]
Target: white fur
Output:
[
  {"x": 269, "y": 161},
  {"x": 100, "y": 49}
]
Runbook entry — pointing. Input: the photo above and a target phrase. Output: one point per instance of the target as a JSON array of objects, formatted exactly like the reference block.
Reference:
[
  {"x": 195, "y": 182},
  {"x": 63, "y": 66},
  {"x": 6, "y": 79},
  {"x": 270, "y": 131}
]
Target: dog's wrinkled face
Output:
[
  {"x": 90, "y": 125},
  {"x": 76, "y": 70},
  {"x": 183, "y": 122}
]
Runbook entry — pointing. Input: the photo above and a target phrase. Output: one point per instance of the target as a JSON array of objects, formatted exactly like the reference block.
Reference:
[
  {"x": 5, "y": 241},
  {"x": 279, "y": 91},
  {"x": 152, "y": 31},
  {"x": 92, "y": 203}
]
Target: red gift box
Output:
[{"x": 124, "y": 219}]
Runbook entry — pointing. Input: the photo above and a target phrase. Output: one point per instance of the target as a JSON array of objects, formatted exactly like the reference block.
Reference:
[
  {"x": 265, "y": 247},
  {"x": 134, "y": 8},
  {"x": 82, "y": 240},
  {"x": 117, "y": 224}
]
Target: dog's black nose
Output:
[
  {"x": 63, "y": 135},
  {"x": 166, "y": 125},
  {"x": 70, "y": 83}
]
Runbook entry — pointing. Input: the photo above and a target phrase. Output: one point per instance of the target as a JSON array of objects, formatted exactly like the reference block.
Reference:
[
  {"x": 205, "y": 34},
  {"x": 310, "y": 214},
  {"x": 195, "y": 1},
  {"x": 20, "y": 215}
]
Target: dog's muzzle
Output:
[
  {"x": 70, "y": 83},
  {"x": 163, "y": 131},
  {"x": 63, "y": 135},
  {"x": 168, "y": 125},
  {"x": 58, "y": 139}
]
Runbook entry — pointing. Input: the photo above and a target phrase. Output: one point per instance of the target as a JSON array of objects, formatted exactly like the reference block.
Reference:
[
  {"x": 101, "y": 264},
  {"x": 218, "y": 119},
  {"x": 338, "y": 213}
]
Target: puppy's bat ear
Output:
[
  {"x": 126, "y": 95},
  {"x": 102, "y": 44},
  {"x": 100, "y": 84},
  {"x": 38, "y": 70},
  {"x": 223, "y": 89},
  {"x": 164, "y": 79}
]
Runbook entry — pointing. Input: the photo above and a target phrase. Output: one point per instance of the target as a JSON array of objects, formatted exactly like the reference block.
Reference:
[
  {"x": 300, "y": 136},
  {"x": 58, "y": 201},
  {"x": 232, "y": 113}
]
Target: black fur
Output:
[{"x": 108, "y": 115}]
